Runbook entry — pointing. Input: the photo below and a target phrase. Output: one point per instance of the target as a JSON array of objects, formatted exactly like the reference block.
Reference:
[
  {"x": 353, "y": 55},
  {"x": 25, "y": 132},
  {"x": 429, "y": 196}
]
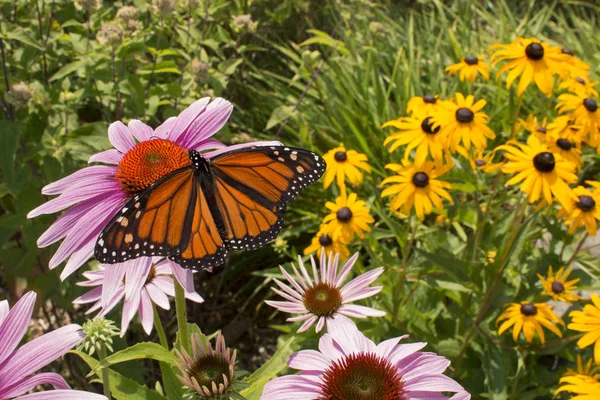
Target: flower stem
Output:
[
  {"x": 159, "y": 329},
  {"x": 180, "y": 307},
  {"x": 579, "y": 246},
  {"x": 105, "y": 378}
]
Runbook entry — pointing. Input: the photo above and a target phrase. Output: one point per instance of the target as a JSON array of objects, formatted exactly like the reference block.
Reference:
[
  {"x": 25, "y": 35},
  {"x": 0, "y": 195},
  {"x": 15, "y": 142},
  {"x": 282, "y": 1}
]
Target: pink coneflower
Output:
[
  {"x": 140, "y": 156},
  {"x": 325, "y": 300},
  {"x": 17, "y": 366},
  {"x": 140, "y": 283},
  {"x": 207, "y": 372},
  {"x": 350, "y": 366}
]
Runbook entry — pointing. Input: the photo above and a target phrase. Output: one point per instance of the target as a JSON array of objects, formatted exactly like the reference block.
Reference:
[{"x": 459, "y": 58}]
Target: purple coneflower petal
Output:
[
  {"x": 356, "y": 311},
  {"x": 307, "y": 325},
  {"x": 184, "y": 120},
  {"x": 346, "y": 270},
  {"x": 140, "y": 130},
  {"x": 348, "y": 336},
  {"x": 77, "y": 259},
  {"x": 210, "y": 122},
  {"x": 113, "y": 280},
  {"x": 24, "y": 386},
  {"x": 287, "y": 306},
  {"x": 162, "y": 131},
  {"x": 83, "y": 177},
  {"x": 65, "y": 200},
  {"x": 62, "y": 395},
  {"x": 425, "y": 366},
  {"x": 158, "y": 296},
  {"x": 359, "y": 294},
  {"x": 320, "y": 324},
  {"x": 308, "y": 360},
  {"x": 15, "y": 325},
  {"x": 385, "y": 348},
  {"x": 184, "y": 276},
  {"x": 4, "y": 309},
  {"x": 404, "y": 350},
  {"x": 92, "y": 296},
  {"x": 357, "y": 284},
  {"x": 120, "y": 137},
  {"x": 136, "y": 273},
  {"x": 330, "y": 348},
  {"x": 111, "y": 156},
  {"x": 63, "y": 225},
  {"x": 293, "y": 299},
  {"x": 146, "y": 312},
  {"x": 215, "y": 153},
  {"x": 433, "y": 383},
  {"x": 295, "y": 387},
  {"x": 288, "y": 290}
]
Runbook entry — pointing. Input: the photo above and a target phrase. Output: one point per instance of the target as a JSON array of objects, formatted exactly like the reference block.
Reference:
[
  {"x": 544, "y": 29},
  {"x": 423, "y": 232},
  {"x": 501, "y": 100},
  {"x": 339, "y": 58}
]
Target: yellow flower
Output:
[
  {"x": 348, "y": 216},
  {"x": 535, "y": 127},
  {"x": 583, "y": 386},
  {"x": 417, "y": 185},
  {"x": 588, "y": 370},
  {"x": 585, "y": 111},
  {"x": 468, "y": 67},
  {"x": 427, "y": 103},
  {"x": 324, "y": 241},
  {"x": 530, "y": 318},
  {"x": 564, "y": 126},
  {"x": 533, "y": 60},
  {"x": 478, "y": 160},
  {"x": 342, "y": 163},
  {"x": 583, "y": 211},
  {"x": 557, "y": 287},
  {"x": 580, "y": 85},
  {"x": 418, "y": 132},
  {"x": 567, "y": 149},
  {"x": 542, "y": 172},
  {"x": 573, "y": 66},
  {"x": 463, "y": 121},
  {"x": 588, "y": 321}
]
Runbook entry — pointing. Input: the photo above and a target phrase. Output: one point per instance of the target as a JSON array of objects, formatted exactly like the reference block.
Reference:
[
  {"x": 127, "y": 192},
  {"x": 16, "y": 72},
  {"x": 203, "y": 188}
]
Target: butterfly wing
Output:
[
  {"x": 170, "y": 218},
  {"x": 252, "y": 187}
]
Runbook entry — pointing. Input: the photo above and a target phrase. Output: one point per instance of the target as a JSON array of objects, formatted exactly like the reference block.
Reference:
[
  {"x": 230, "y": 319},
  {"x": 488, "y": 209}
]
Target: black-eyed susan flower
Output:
[
  {"x": 468, "y": 68},
  {"x": 529, "y": 318},
  {"x": 557, "y": 286},
  {"x": 588, "y": 321},
  {"x": 572, "y": 65},
  {"x": 588, "y": 369},
  {"x": 416, "y": 185},
  {"x": 323, "y": 241},
  {"x": 532, "y": 59},
  {"x": 582, "y": 386},
  {"x": 565, "y": 126},
  {"x": 417, "y": 131},
  {"x": 542, "y": 173},
  {"x": 535, "y": 127},
  {"x": 568, "y": 150},
  {"x": 348, "y": 216},
  {"x": 585, "y": 111},
  {"x": 342, "y": 164},
  {"x": 428, "y": 103},
  {"x": 462, "y": 121},
  {"x": 580, "y": 85},
  {"x": 583, "y": 211}
]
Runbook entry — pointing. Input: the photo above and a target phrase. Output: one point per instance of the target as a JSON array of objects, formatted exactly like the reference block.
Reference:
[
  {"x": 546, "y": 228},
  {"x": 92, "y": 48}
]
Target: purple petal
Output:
[
  {"x": 93, "y": 295},
  {"x": 77, "y": 259},
  {"x": 165, "y": 283},
  {"x": 120, "y": 137},
  {"x": 385, "y": 348},
  {"x": 287, "y": 306},
  {"x": 307, "y": 325},
  {"x": 24, "y": 386},
  {"x": 362, "y": 293},
  {"x": 346, "y": 270},
  {"x": 15, "y": 325},
  {"x": 360, "y": 282},
  {"x": 163, "y": 130},
  {"x": 130, "y": 307},
  {"x": 146, "y": 312},
  {"x": 427, "y": 364},
  {"x": 140, "y": 130},
  {"x": 96, "y": 193},
  {"x": 158, "y": 296},
  {"x": 39, "y": 352},
  {"x": 113, "y": 280},
  {"x": 289, "y": 387},
  {"x": 433, "y": 383},
  {"x": 404, "y": 350},
  {"x": 184, "y": 276},
  {"x": 310, "y": 360},
  {"x": 195, "y": 297},
  {"x": 356, "y": 311},
  {"x": 215, "y": 153},
  {"x": 82, "y": 177},
  {"x": 63, "y": 225},
  {"x": 4, "y": 309},
  {"x": 207, "y": 124},
  {"x": 63, "y": 395},
  {"x": 330, "y": 348},
  {"x": 136, "y": 272},
  {"x": 461, "y": 396},
  {"x": 209, "y": 144},
  {"x": 320, "y": 324},
  {"x": 178, "y": 131},
  {"x": 110, "y": 156},
  {"x": 347, "y": 335}
]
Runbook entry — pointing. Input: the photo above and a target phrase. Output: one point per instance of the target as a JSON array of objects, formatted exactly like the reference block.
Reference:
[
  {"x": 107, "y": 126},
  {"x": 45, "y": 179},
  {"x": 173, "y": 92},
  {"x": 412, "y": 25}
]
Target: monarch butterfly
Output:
[{"x": 196, "y": 214}]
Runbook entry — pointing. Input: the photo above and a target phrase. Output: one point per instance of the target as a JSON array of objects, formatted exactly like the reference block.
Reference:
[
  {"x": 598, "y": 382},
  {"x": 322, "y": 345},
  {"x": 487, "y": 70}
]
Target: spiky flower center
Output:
[
  {"x": 534, "y": 51},
  {"x": 325, "y": 240},
  {"x": 564, "y": 144},
  {"x": 340, "y": 156},
  {"x": 544, "y": 162},
  {"x": 344, "y": 214},
  {"x": 362, "y": 376},
  {"x": 210, "y": 368},
  {"x": 471, "y": 60},
  {"x": 428, "y": 128},
  {"x": 528, "y": 309},
  {"x": 541, "y": 129},
  {"x": 464, "y": 115},
  {"x": 586, "y": 203},
  {"x": 149, "y": 161},
  {"x": 420, "y": 179},
  {"x": 558, "y": 287},
  {"x": 429, "y": 99},
  {"x": 322, "y": 299},
  {"x": 590, "y": 104}
]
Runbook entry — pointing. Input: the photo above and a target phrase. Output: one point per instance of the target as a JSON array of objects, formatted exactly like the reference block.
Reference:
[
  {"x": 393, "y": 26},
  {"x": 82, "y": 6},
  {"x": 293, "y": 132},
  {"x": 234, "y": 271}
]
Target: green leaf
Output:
[
  {"x": 279, "y": 115},
  {"x": 268, "y": 371},
  {"x": 121, "y": 388},
  {"x": 21, "y": 36},
  {"x": 68, "y": 69},
  {"x": 172, "y": 386},
  {"x": 9, "y": 138},
  {"x": 145, "y": 350},
  {"x": 447, "y": 262}
]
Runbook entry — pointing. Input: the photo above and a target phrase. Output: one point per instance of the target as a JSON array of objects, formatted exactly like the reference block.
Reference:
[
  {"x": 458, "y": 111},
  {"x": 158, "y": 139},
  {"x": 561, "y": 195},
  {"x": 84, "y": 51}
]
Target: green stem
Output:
[
  {"x": 159, "y": 329},
  {"x": 579, "y": 246},
  {"x": 181, "y": 309},
  {"x": 105, "y": 378}
]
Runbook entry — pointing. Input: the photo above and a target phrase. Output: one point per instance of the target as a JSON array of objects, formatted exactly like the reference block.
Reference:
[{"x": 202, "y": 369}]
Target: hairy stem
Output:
[
  {"x": 181, "y": 309},
  {"x": 105, "y": 377},
  {"x": 159, "y": 329}
]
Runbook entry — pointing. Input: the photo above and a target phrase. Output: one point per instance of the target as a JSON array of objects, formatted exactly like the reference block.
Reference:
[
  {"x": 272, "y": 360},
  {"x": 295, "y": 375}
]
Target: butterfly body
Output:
[{"x": 197, "y": 214}]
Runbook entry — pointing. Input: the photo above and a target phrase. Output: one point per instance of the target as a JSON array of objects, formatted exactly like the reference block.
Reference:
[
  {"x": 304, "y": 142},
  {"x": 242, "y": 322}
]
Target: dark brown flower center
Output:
[
  {"x": 564, "y": 144},
  {"x": 541, "y": 129},
  {"x": 420, "y": 179},
  {"x": 208, "y": 369},
  {"x": 362, "y": 376},
  {"x": 544, "y": 162},
  {"x": 428, "y": 98},
  {"x": 322, "y": 299},
  {"x": 340, "y": 156},
  {"x": 580, "y": 80},
  {"x": 528, "y": 309},
  {"x": 566, "y": 51},
  {"x": 558, "y": 287},
  {"x": 325, "y": 240},
  {"x": 471, "y": 60},
  {"x": 344, "y": 214},
  {"x": 480, "y": 163},
  {"x": 534, "y": 51},
  {"x": 586, "y": 203},
  {"x": 464, "y": 115},
  {"x": 427, "y": 126},
  {"x": 590, "y": 104}
]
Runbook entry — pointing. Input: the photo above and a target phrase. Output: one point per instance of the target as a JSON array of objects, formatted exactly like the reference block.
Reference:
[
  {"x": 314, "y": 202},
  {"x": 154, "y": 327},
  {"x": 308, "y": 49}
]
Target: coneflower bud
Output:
[{"x": 99, "y": 332}]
